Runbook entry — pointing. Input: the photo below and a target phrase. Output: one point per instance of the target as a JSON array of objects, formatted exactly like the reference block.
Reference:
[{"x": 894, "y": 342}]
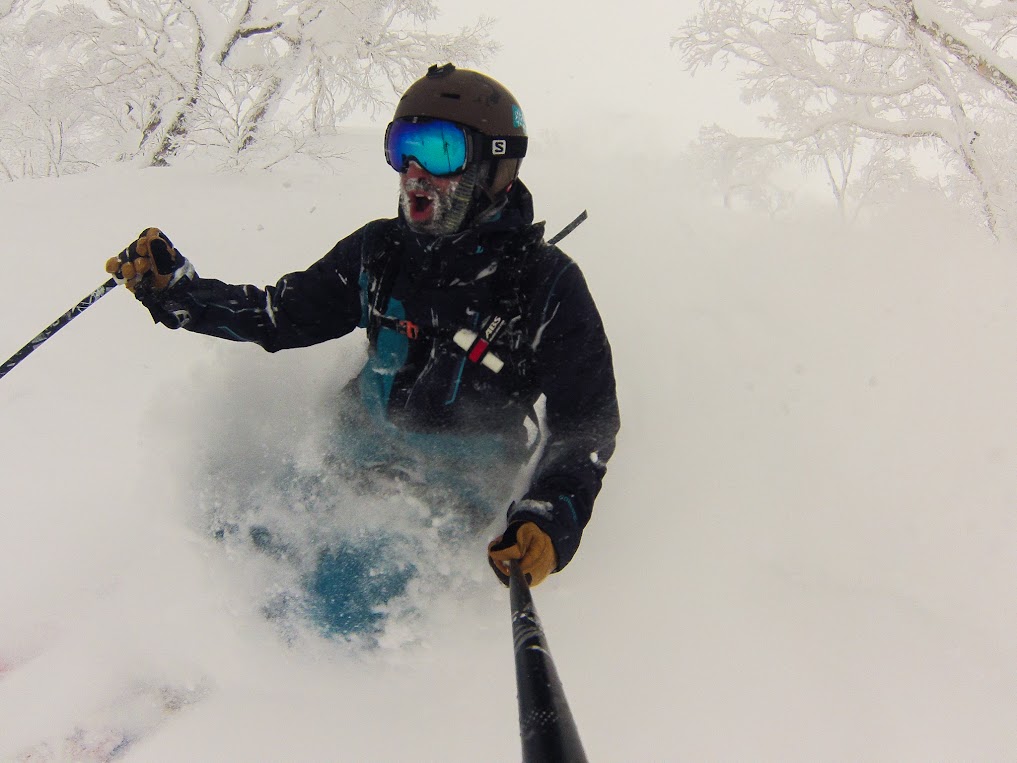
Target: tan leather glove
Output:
[
  {"x": 530, "y": 545},
  {"x": 151, "y": 263}
]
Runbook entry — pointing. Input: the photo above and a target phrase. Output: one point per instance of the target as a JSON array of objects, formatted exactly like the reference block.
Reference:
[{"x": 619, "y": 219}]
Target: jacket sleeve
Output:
[
  {"x": 301, "y": 309},
  {"x": 576, "y": 376}
]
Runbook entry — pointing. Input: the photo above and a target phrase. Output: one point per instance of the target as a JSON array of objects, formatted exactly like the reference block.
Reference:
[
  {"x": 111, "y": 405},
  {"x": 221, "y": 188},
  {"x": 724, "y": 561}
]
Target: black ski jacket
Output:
[{"x": 413, "y": 294}]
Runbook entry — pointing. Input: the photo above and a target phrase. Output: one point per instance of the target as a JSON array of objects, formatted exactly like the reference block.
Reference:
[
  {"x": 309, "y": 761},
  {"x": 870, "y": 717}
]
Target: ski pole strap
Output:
[
  {"x": 55, "y": 326},
  {"x": 568, "y": 228}
]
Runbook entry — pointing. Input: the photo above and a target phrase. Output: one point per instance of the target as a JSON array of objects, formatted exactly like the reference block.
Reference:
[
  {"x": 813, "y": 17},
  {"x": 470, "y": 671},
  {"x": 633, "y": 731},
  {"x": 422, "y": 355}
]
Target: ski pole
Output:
[
  {"x": 568, "y": 228},
  {"x": 546, "y": 726},
  {"x": 55, "y": 326}
]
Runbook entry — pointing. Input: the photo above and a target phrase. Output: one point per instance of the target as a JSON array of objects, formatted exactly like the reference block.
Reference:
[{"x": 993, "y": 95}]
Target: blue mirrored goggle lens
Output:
[{"x": 438, "y": 146}]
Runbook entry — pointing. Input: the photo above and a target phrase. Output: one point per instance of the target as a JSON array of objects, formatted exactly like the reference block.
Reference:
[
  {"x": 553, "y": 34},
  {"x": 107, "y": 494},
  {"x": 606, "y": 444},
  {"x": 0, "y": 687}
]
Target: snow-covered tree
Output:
[
  {"x": 241, "y": 81},
  {"x": 864, "y": 90},
  {"x": 44, "y": 118}
]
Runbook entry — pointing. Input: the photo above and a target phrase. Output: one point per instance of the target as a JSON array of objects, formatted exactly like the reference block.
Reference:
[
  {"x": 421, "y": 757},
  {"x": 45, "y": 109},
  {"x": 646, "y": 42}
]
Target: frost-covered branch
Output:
[
  {"x": 851, "y": 86},
  {"x": 157, "y": 80},
  {"x": 978, "y": 56}
]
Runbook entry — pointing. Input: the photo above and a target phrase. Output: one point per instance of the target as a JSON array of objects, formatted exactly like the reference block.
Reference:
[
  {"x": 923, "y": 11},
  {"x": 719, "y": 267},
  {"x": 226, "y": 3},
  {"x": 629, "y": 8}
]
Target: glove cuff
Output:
[
  {"x": 183, "y": 272},
  {"x": 556, "y": 517},
  {"x": 536, "y": 570}
]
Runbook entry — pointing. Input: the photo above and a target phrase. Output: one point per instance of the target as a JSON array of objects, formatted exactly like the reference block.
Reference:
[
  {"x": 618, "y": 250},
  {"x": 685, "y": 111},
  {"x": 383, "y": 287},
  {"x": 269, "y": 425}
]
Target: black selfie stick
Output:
[{"x": 548, "y": 731}]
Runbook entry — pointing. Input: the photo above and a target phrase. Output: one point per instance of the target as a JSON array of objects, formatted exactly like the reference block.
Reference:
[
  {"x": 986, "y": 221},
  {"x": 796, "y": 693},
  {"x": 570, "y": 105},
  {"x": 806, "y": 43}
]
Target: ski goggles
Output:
[{"x": 444, "y": 148}]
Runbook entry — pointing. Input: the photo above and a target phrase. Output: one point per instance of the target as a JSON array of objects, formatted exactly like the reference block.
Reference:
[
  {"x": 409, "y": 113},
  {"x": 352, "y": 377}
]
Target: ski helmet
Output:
[{"x": 480, "y": 103}]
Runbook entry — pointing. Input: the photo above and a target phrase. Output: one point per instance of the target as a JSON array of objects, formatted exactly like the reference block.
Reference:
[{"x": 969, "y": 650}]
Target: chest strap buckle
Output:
[{"x": 408, "y": 329}]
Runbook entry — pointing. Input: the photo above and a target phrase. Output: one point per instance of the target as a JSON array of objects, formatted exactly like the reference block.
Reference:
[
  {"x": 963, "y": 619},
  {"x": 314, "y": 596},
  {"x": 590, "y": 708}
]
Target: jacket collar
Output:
[{"x": 494, "y": 231}]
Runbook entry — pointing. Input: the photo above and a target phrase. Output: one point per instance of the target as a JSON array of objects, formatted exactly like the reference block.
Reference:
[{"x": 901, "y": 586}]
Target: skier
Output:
[{"x": 470, "y": 318}]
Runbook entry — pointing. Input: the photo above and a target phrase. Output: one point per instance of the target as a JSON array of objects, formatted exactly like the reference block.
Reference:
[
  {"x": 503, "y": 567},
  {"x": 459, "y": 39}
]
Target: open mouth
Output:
[{"x": 420, "y": 205}]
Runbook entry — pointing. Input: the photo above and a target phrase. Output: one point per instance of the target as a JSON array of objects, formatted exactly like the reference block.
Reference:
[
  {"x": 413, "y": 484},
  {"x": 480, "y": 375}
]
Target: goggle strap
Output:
[{"x": 502, "y": 146}]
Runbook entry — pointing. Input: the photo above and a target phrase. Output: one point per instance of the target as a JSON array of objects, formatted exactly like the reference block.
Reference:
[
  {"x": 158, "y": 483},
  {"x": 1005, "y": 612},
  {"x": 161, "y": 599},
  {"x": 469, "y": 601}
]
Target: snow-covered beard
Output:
[{"x": 449, "y": 206}]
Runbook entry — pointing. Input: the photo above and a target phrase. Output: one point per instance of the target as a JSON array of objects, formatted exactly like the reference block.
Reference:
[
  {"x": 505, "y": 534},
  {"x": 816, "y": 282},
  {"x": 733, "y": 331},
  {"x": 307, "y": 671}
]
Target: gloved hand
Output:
[
  {"x": 530, "y": 545},
  {"x": 150, "y": 264}
]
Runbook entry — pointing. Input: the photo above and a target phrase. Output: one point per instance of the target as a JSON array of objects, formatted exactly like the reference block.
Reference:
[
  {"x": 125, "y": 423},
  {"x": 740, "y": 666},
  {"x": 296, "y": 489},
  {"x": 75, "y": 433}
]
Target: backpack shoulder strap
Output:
[
  {"x": 510, "y": 285},
  {"x": 379, "y": 264}
]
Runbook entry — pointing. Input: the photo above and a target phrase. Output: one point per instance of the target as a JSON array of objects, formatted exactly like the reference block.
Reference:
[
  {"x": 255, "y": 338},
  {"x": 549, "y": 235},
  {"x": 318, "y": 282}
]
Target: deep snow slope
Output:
[{"x": 805, "y": 548}]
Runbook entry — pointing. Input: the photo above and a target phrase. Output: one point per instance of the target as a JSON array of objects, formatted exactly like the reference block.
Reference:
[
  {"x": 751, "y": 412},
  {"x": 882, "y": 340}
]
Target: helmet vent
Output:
[{"x": 453, "y": 96}]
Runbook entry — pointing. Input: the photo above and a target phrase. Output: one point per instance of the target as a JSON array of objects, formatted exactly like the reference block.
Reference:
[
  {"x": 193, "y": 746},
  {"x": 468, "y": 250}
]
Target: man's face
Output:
[{"x": 429, "y": 203}]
